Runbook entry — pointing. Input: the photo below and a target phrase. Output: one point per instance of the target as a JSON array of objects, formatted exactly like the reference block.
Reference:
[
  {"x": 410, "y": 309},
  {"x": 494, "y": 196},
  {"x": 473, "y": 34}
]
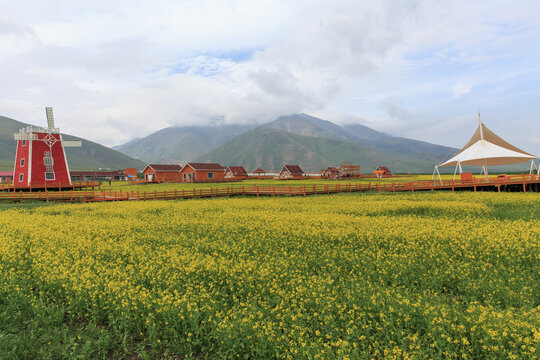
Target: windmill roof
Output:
[{"x": 487, "y": 148}]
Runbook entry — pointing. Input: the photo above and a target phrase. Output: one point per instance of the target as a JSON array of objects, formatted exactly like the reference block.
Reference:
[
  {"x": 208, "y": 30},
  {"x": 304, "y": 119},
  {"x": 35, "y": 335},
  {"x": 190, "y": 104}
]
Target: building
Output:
[
  {"x": 258, "y": 172},
  {"x": 41, "y": 160},
  {"x": 291, "y": 172},
  {"x": 101, "y": 175},
  {"x": 385, "y": 170},
  {"x": 236, "y": 173},
  {"x": 6, "y": 176},
  {"x": 330, "y": 172},
  {"x": 202, "y": 172},
  {"x": 131, "y": 173},
  {"x": 159, "y": 173},
  {"x": 347, "y": 169}
]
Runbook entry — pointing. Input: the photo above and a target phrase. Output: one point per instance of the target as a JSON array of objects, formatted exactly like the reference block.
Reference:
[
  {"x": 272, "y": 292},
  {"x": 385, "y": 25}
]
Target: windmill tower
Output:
[{"x": 41, "y": 159}]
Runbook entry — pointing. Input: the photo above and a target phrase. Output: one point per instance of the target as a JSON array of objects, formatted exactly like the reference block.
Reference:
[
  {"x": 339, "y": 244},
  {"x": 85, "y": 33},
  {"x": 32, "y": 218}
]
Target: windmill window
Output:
[
  {"x": 22, "y": 162},
  {"x": 24, "y": 143},
  {"x": 48, "y": 160},
  {"x": 49, "y": 176},
  {"x": 21, "y": 177}
]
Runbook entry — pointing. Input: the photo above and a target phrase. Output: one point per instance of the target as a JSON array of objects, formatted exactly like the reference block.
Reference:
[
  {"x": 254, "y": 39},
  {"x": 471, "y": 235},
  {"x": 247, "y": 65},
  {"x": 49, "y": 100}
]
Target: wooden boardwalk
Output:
[{"x": 507, "y": 184}]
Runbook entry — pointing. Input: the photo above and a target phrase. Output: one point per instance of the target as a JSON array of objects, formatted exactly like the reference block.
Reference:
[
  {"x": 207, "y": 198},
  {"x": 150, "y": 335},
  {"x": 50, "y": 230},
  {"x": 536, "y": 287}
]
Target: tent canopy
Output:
[{"x": 485, "y": 148}]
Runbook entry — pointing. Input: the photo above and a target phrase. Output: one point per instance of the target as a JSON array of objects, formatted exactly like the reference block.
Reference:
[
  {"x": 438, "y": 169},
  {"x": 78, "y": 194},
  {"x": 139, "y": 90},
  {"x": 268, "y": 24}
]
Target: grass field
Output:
[
  {"x": 430, "y": 275},
  {"x": 130, "y": 186}
]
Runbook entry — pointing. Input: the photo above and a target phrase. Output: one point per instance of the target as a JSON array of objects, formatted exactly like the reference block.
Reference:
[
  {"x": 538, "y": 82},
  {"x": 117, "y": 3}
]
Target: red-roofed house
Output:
[
  {"x": 258, "y": 172},
  {"x": 6, "y": 176},
  {"x": 386, "y": 171},
  {"x": 162, "y": 173},
  {"x": 202, "y": 172},
  {"x": 236, "y": 173},
  {"x": 291, "y": 172}
]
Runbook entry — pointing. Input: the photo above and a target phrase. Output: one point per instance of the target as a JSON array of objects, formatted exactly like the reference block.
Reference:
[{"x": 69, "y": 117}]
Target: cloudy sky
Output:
[{"x": 116, "y": 70}]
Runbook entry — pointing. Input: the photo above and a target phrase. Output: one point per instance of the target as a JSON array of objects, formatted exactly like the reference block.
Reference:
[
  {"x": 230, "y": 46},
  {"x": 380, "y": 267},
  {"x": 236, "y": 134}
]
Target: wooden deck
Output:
[{"x": 521, "y": 183}]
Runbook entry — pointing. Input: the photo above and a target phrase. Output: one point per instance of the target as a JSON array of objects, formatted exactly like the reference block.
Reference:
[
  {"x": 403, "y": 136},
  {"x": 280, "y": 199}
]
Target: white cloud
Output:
[
  {"x": 461, "y": 89},
  {"x": 117, "y": 70}
]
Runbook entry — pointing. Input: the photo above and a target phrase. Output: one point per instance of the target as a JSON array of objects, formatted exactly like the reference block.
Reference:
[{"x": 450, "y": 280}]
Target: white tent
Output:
[{"x": 485, "y": 149}]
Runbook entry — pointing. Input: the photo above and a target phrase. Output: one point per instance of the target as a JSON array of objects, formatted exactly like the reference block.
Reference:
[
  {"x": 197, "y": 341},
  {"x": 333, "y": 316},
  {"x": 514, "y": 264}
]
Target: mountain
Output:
[
  {"x": 242, "y": 145},
  {"x": 270, "y": 149},
  {"x": 303, "y": 124},
  {"x": 181, "y": 144},
  {"x": 306, "y": 125},
  {"x": 398, "y": 145},
  {"x": 90, "y": 156}
]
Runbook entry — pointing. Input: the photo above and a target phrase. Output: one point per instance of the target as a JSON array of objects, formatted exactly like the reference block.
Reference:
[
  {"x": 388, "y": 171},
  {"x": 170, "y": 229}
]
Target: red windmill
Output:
[{"x": 41, "y": 159}]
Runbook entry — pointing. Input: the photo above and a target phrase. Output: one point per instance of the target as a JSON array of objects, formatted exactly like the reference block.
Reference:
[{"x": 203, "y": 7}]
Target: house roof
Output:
[
  {"x": 6, "y": 173},
  {"x": 258, "y": 170},
  {"x": 385, "y": 169},
  {"x": 293, "y": 169},
  {"x": 205, "y": 166},
  {"x": 237, "y": 170},
  {"x": 162, "y": 167}
]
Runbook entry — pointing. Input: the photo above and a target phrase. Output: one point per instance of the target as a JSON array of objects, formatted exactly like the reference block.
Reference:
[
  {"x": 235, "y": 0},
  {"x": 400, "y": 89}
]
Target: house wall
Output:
[
  {"x": 131, "y": 171},
  {"x": 168, "y": 176},
  {"x": 147, "y": 172},
  {"x": 188, "y": 174}
]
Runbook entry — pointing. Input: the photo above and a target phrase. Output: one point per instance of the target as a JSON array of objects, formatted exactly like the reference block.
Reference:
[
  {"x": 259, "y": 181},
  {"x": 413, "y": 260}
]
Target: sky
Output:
[{"x": 117, "y": 70}]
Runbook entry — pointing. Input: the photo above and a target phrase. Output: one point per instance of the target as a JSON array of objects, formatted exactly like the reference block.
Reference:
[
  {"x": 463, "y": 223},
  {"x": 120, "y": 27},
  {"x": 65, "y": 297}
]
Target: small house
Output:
[
  {"x": 162, "y": 173},
  {"x": 330, "y": 172},
  {"x": 101, "y": 175},
  {"x": 236, "y": 173},
  {"x": 385, "y": 170},
  {"x": 291, "y": 172},
  {"x": 202, "y": 172},
  {"x": 258, "y": 172},
  {"x": 131, "y": 173},
  {"x": 6, "y": 176}
]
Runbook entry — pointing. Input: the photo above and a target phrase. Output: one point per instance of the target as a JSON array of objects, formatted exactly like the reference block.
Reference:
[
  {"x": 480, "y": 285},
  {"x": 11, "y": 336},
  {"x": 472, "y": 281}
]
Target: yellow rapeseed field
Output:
[{"x": 348, "y": 276}]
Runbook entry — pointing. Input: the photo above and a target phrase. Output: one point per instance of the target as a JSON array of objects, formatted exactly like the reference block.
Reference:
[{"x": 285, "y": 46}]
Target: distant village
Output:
[{"x": 213, "y": 172}]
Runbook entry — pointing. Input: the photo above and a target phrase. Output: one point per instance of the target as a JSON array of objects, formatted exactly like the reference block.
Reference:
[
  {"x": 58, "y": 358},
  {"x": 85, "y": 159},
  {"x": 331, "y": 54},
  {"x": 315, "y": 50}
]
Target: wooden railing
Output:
[{"x": 88, "y": 194}]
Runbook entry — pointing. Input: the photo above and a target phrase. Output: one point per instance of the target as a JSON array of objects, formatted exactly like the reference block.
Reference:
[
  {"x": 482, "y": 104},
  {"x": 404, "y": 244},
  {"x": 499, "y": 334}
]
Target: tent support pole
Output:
[
  {"x": 439, "y": 174},
  {"x": 485, "y": 169}
]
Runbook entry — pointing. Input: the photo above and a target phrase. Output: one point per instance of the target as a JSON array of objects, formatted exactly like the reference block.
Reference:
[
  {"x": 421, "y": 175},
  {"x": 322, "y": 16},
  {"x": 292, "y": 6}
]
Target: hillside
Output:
[
  {"x": 306, "y": 125},
  {"x": 175, "y": 145},
  {"x": 183, "y": 144},
  {"x": 90, "y": 156},
  {"x": 271, "y": 148}
]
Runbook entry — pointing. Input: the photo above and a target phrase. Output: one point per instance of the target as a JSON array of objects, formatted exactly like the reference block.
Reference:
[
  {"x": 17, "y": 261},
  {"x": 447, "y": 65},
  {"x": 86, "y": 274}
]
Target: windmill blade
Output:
[
  {"x": 25, "y": 136},
  {"x": 72, "y": 143},
  {"x": 50, "y": 118}
]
